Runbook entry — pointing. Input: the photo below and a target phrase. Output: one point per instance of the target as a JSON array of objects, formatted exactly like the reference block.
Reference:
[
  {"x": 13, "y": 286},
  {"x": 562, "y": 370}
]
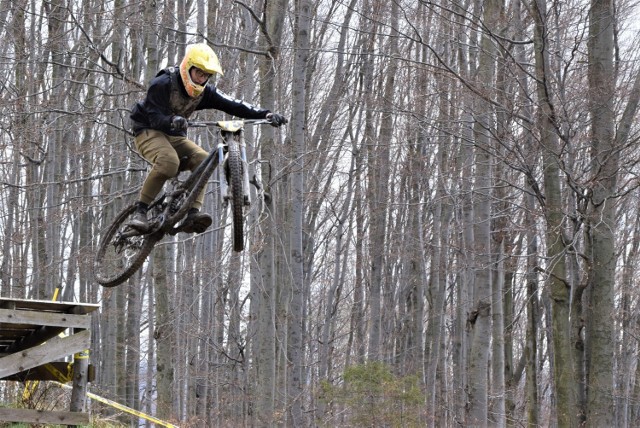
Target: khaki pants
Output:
[{"x": 164, "y": 152}]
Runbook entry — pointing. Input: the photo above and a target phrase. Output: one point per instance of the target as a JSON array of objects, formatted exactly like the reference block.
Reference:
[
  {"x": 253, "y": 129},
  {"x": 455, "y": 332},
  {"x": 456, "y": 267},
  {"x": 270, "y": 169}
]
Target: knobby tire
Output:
[
  {"x": 111, "y": 271},
  {"x": 234, "y": 163}
]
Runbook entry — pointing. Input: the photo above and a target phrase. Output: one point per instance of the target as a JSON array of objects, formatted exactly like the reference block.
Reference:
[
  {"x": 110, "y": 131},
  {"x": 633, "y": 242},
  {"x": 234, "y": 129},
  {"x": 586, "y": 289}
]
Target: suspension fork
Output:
[
  {"x": 238, "y": 136},
  {"x": 222, "y": 165},
  {"x": 246, "y": 191}
]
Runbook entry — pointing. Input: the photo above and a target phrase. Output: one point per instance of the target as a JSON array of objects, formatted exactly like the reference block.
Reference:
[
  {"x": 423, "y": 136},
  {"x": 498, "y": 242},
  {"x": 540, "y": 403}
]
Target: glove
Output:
[
  {"x": 179, "y": 123},
  {"x": 276, "y": 119}
]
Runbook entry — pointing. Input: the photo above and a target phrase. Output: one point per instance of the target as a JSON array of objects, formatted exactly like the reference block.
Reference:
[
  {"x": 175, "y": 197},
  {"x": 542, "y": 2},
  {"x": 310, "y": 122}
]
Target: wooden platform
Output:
[{"x": 30, "y": 344}]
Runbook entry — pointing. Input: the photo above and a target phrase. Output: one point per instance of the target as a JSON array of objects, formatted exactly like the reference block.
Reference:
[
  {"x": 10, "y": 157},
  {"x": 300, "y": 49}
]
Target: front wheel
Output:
[
  {"x": 122, "y": 250},
  {"x": 234, "y": 165}
]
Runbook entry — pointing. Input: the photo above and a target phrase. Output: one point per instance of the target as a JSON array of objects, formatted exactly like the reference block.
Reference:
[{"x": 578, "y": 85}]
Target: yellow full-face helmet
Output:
[{"x": 200, "y": 56}]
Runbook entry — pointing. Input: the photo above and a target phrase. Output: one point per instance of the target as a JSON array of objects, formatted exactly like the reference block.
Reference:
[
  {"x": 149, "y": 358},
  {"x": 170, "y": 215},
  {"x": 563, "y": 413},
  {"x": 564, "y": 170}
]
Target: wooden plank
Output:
[
  {"x": 52, "y": 350},
  {"x": 44, "y": 417},
  {"x": 44, "y": 372},
  {"x": 44, "y": 318},
  {"x": 41, "y": 335},
  {"x": 7, "y": 328},
  {"x": 47, "y": 305},
  {"x": 11, "y": 334}
]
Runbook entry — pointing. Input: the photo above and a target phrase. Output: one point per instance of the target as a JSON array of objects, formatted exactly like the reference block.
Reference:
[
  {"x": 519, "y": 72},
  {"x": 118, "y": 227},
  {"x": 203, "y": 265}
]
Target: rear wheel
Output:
[
  {"x": 234, "y": 165},
  {"x": 122, "y": 250}
]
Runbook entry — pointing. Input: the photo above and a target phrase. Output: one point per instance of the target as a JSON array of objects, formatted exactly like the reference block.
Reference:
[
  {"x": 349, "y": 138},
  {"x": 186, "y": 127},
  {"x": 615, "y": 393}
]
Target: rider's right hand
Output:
[{"x": 179, "y": 123}]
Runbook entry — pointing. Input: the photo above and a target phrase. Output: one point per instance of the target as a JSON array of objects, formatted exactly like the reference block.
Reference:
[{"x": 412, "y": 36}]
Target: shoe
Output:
[
  {"x": 139, "y": 220},
  {"x": 196, "y": 222}
]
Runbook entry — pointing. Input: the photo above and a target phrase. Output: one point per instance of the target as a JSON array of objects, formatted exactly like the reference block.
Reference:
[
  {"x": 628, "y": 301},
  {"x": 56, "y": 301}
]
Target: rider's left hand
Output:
[{"x": 276, "y": 119}]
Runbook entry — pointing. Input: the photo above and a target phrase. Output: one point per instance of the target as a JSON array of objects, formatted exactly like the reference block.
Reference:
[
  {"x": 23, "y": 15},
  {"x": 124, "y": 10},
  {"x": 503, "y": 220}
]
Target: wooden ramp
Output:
[{"x": 30, "y": 344}]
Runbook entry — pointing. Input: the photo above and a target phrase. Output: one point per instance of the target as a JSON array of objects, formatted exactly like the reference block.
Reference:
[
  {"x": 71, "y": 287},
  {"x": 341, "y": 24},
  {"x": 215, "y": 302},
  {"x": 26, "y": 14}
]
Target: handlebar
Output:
[{"x": 224, "y": 124}]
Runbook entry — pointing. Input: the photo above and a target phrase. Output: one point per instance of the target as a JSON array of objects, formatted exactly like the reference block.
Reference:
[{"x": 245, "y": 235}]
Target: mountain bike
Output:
[{"x": 124, "y": 249}]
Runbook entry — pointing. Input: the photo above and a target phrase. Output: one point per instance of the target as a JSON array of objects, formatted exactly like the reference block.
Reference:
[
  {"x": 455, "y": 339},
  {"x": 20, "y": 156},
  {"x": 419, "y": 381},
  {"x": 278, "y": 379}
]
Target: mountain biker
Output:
[{"x": 160, "y": 124}]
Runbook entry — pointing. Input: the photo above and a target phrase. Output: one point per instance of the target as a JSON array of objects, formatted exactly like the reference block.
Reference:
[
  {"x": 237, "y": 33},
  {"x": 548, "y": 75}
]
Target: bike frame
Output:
[{"x": 231, "y": 132}]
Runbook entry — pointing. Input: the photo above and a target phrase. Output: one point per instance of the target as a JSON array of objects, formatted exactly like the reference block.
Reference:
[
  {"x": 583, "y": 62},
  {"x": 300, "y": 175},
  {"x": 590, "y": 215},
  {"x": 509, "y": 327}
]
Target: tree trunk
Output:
[
  {"x": 163, "y": 335},
  {"x": 533, "y": 319},
  {"x": 378, "y": 182},
  {"x": 131, "y": 343},
  {"x": 265, "y": 289},
  {"x": 442, "y": 214},
  {"x": 479, "y": 321},
  {"x": 12, "y": 286},
  {"x": 564, "y": 379},
  {"x": 498, "y": 410},
  {"x": 532, "y": 406},
  {"x": 296, "y": 340},
  {"x": 464, "y": 293},
  {"x": 605, "y": 155}
]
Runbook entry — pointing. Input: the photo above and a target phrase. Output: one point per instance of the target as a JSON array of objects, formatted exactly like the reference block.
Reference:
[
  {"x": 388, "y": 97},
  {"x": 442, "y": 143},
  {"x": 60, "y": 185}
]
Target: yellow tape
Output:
[
  {"x": 123, "y": 408},
  {"x": 81, "y": 355},
  {"x": 58, "y": 374},
  {"x": 29, "y": 388}
]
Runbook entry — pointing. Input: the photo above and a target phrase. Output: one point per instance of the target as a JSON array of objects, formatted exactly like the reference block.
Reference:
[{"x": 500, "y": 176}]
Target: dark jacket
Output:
[{"x": 166, "y": 97}]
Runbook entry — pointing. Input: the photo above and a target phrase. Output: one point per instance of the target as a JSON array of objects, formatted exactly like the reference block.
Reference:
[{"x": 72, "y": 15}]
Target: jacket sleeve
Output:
[
  {"x": 219, "y": 100},
  {"x": 157, "y": 105}
]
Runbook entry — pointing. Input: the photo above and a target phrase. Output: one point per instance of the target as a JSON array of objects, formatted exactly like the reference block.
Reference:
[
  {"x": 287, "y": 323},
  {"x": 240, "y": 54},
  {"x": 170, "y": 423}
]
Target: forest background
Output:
[{"x": 447, "y": 231}]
